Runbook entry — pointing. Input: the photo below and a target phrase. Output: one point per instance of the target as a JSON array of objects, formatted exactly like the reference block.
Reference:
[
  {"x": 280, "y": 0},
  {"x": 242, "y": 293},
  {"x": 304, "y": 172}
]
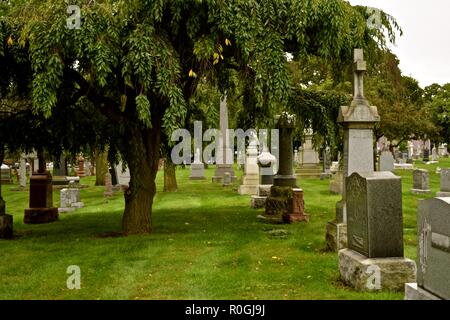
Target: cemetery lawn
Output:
[{"x": 206, "y": 244}]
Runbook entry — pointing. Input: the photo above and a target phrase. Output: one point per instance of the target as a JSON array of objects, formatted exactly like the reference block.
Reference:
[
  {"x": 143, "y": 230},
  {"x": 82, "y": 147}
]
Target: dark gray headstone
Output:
[
  {"x": 374, "y": 214},
  {"x": 433, "y": 246}
]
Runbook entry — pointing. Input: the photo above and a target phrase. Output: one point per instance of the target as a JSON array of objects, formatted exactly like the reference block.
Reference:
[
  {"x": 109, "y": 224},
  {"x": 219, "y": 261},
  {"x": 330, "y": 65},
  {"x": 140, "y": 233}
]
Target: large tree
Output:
[{"x": 138, "y": 62}]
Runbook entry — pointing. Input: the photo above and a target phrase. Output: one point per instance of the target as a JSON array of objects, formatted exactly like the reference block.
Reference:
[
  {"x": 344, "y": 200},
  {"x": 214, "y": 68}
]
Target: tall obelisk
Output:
[{"x": 224, "y": 154}]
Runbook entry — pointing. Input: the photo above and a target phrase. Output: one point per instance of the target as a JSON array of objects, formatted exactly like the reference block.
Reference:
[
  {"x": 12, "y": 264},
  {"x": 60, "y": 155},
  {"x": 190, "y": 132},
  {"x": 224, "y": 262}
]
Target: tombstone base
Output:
[
  {"x": 359, "y": 271},
  {"x": 40, "y": 215},
  {"x": 6, "y": 226},
  {"x": 274, "y": 219},
  {"x": 66, "y": 210},
  {"x": 414, "y": 292},
  {"x": 221, "y": 169},
  {"x": 336, "y": 236},
  {"x": 292, "y": 218},
  {"x": 258, "y": 202},
  {"x": 248, "y": 189},
  {"x": 264, "y": 190},
  {"x": 285, "y": 181},
  {"x": 197, "y": 178},
  {"x": 325, "y": 175},
  {"x": 443, "y": 194},
  {"x": 197, "y": 171},
  {"x": 219, "y": 179},
  {"x": 420, "y": 191}
]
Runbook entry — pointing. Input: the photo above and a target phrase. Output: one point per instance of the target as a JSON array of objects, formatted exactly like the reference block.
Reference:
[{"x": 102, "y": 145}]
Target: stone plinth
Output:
[
  {"x": 361, "y": 273},
  {"x": 336, "y": 236},
  {"x": 278, "y": 204},
  {"x": 414, "y": 292},
  {"x": 41, "y": 200},
  {"x": 197, "y": 171},
  {"x": 298, "y": 208},
  {"x": 259, "y": 200}
]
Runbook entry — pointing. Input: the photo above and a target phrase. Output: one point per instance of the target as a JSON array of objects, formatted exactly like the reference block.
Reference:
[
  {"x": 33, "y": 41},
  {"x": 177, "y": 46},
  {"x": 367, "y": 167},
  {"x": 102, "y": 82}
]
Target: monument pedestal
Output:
[
  {"x": 360, "y": 272},
  {"x": 259, "y": 201},
  {"x": 40, "y": 215},
  {"x": 414, "y": 292},
  {"x": 6, "y": 226},
  {"x": 197, "y": 171},
  {"x": 41, "y": 200},
  {"x": 420, "y": 191},
  {"x": 336, "y": 236},
  {"x": 221, "y": 169}
]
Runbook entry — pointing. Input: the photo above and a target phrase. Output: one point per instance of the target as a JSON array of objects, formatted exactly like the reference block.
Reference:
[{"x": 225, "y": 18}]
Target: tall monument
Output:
[
  {"x": 358, "y": 121},
  {"x": 224, "y": 154}
]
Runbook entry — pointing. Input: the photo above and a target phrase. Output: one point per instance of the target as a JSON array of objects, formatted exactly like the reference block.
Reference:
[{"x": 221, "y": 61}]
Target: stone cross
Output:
[{"x": 360, "y": 68}]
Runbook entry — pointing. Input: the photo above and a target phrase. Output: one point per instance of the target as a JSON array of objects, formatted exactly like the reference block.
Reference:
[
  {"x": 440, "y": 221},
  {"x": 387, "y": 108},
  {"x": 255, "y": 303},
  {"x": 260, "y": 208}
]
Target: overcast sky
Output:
[{"x": 424, "y": 48}]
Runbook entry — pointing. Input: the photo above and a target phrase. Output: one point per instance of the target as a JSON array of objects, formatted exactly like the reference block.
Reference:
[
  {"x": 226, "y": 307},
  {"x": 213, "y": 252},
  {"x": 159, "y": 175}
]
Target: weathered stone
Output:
[
  {"x": 374, "y": 214},
  {"x": 226, "y": 179},
  {"x": 309, "y": 159},
  {"x": 361, "y": 272},
  {"x": 337, "y": 182},
  {"x": 414, "y": 292},
  {"x": 336, "y": 236},
  {"x": 386, "y": 161},
  {"x": 266, "y": 162},
  {"x": 250, "y": 181},
  {"x": 420, "y": 182},
  {"x": 23, "y": 172},
  {"x": 70, "y": 199},
  {"x": 433, "y": 246},
  {"x": 298, "y": 208},
  {"x": 264, "y": 190},
  {"x": 197, "y": 168},
  {"x": 108, "y": 185},
  {"x": 258, "y": 202},
  {"x": 445, "y": 183}
]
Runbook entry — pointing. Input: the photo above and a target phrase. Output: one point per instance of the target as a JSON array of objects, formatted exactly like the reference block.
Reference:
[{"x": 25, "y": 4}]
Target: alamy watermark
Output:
[
  {"x": 74, "y": 20},
  {"x": 374, "y": 21},
  {"x": 221, "y": 149},
  {"x": 74, "y": 280},
  {"x": 374, "y": 279}
]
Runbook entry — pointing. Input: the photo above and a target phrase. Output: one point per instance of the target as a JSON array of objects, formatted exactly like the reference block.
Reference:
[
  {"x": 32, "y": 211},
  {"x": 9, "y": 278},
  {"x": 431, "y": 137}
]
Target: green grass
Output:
[{"x": 206, "y": 244}]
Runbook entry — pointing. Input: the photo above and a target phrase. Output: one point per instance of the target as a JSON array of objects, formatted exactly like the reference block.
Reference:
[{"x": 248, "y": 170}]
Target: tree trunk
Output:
[
  {"x": 142, "y": 156},
  {"x": 101, "y": 168},
  {"x": 170, "y": 177}
]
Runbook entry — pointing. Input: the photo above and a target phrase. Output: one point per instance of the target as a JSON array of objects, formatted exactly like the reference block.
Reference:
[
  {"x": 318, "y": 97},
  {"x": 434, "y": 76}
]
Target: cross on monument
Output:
[{"x": 360, "y": 67}]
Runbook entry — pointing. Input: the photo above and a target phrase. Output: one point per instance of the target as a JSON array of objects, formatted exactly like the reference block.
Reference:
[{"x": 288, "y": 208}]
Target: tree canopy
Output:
[{"x": 134, "y": 65}]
